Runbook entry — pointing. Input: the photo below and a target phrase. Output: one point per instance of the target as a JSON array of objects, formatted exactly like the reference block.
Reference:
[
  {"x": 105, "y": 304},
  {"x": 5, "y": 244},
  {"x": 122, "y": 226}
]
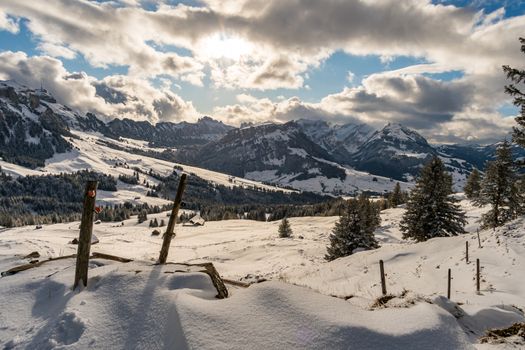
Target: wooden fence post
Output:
[
  {"x": 448, "y": 285},
  {"x": 479, "y": 240},
  {"x": 383, "y": 282},
  {"x": 466, "y": 251},
  {"x": 171, "y": 223},
  {"x": 477, "y": 275},
  {"x": 86, "y": 229}
]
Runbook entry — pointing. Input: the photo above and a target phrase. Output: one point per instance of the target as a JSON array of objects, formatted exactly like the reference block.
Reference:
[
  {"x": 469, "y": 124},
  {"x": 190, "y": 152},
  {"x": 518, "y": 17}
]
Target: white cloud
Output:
[
  {"x": 55, "y": 50},
  {"x": 350, "y": 76},
  {"x": 7, "y": 23},
  {"x": 272, "y": 44},
  {"x": 116, "y": 96}
]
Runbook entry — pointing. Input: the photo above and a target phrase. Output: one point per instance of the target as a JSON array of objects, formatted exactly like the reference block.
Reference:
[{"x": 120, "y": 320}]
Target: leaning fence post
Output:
[
  {"x": 171, "y": 223},
  {"x": 477, "y": 275},
  {"x": 383, "y": 282},
  {"x": 448, "y": 284},
  {"x": 86, "y": 229},
  {"x": 466, "y": 251}
]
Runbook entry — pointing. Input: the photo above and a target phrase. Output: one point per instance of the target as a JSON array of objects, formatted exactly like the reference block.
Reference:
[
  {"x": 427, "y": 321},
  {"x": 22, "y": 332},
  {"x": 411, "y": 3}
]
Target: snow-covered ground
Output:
[
  {"x": 89, "y": 152},
  {"x": 138, "y": 305}
]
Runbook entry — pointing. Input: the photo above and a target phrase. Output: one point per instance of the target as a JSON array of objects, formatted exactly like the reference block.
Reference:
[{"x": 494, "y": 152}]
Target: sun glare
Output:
[{"x": 223, "y": 46}]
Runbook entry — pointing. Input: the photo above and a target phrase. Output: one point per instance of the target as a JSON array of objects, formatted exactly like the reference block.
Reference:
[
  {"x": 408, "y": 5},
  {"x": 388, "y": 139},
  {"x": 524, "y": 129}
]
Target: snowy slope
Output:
[
  {"x": 89, "y": 153},
  {"x": 140, "y": 306},
  {"x": 246, "y": 250}
]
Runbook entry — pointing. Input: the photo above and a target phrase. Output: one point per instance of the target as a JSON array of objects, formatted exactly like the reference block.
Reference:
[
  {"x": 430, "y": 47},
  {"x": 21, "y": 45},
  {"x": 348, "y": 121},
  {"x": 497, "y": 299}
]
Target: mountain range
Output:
[{"x": 302, "y": 154}]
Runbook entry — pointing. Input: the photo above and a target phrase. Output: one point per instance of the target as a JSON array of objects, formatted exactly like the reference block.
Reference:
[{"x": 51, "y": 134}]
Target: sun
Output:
[{"x": 223, "y": 46}]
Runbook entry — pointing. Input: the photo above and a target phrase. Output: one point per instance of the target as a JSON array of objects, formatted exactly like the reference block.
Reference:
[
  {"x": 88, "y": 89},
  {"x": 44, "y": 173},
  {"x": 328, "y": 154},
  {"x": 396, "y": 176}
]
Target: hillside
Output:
[
  {"x": 308, "y": 155},
  {"x": 248, "y": 251}
]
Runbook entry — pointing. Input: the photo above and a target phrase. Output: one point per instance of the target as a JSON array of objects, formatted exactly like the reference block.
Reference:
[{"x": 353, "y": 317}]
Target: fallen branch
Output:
[
  {"x": 236, "y": 283},
  {"x": 216, "y": 279},
  {"x": 24, "y": 267},
  {"x": 96, "y": 255}
]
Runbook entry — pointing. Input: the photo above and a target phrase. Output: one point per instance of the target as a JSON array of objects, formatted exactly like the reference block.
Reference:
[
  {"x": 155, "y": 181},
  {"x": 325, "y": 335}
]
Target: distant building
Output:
[{"x": 196, "y": 220}]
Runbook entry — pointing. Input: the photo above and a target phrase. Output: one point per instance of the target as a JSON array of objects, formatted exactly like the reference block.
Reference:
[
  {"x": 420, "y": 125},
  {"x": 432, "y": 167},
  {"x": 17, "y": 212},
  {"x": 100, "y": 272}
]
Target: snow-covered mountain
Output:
[
  {"x": 283, "y": 154},
  {"x": 33, "y": 126},
  {"x": 394, "y": 151},
  {"x": 167, "y": 134},
  {"x": 341, "y": 141},
  {"x": 306, "y": 154},
  {"x": 283, "y": 149}
]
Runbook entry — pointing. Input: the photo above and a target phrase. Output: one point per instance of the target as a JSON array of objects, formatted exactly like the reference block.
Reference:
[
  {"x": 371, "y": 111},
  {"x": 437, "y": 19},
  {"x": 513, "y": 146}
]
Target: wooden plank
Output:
[
  {"x": 24, "y": 267},
  {"x": 96, "y": 255}
]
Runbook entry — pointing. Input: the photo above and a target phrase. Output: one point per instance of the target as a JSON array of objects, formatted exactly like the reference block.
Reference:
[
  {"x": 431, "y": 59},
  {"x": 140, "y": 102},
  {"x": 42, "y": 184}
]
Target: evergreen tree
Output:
[
  {"x": 473, "y": 185},
  {"x": 396, "y": 197},
  {"x": 369, "y": 213},
  {"x": 517, "y": 76},
  {"x": 499, "y": 189},
  {"x": 352, "y": 231},
  {"x": 431, "y": 211},
  {"x": 285, "y": 231},
  {"x": 143, "y": 216}
]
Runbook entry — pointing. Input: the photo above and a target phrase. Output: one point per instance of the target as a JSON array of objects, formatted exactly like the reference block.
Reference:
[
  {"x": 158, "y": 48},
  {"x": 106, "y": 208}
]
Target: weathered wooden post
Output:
[
  {"x": 383, "y": 282},
  {"x": 466, "y": 251},
  {"x": 477, "y": 275},
  {"x": 171, "y": 223},
  {"x": 448, "y": 285},
  {"x": 86, "y": 229},
  {"x": 479, "y": 240}
]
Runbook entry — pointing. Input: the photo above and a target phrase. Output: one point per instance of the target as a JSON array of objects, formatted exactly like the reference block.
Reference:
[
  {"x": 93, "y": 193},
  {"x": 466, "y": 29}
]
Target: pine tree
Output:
[
  {"x": 499, "y": 189},
  {"x": 352, "y": 231},
  {"x": 473, "y": 185},
  {"x": 285, "y": 230},
  {"x": 517, "y": 76},
  {"x": 396, "y": 197},
  {"x": 369, "y": 213},
  {"x": 431, "y": 211},
  {"x": 143, "y": 216}
]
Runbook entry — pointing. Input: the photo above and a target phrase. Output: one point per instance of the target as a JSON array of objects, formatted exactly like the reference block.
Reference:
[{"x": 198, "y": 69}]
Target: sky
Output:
[{"x": 434, "y": 66}]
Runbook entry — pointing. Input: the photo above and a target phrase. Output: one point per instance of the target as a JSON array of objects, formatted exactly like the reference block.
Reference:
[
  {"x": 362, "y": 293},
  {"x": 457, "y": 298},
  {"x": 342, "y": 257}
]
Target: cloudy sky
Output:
[{"x": 432, "y": 65}]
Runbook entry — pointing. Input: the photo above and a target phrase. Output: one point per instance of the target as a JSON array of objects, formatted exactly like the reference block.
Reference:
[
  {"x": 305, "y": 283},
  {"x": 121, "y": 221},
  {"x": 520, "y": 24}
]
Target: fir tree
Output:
[
  {"x": 285, "y": 231},
  {"x": 352, "y": 231},
  {"x": 369, "y": 213},
  {"x": 396, "y": 197},
  {"x": 143, "y": 216},
  {"x": 499, "y": 189},
  {"x": 473, "y": 185},
  {"x": 517, "y": 76},
  {"x": 431, "y": 211}
]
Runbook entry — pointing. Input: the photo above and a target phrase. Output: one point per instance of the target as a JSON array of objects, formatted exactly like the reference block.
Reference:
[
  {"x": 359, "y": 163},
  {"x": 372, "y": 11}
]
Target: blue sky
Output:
[{"x": 231, "y": 64}]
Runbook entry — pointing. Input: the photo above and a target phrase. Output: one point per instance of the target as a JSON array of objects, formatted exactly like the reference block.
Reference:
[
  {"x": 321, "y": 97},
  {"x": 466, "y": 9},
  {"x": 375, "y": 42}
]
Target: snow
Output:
[
  {"x": 355, "y": 181},
  {"x": 89, "y": 153},
  {"x": 140, "y": 305}
]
